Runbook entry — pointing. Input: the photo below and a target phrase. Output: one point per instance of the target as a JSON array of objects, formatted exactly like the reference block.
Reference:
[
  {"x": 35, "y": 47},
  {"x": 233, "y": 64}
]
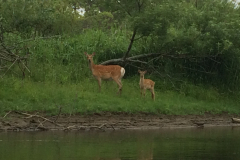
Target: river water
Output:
[{"x": 214, "y": 143}]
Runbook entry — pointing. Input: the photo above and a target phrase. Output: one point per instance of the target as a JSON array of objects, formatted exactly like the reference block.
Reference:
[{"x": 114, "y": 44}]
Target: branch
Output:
[
  {"x": 59, "y": 112},
  {"x": 130, "y": 58},
  {"x": 137, "y": 61},
  {"x": 130, "y": 45},
  {"x": 9, "y": 56},
  {"x": 7, "y": 114},
  {"x": 139, "y": 5},
  {"x": 139, "y": 38},
  {"x": 26, "y": 67},
  {"x": 146, "y": 55},
  {"x": 112, "y": 61},
  {"x": 176, "y": 56},
  {"x": 9, "y": 68},
  {"x": 46, "y": 119}
]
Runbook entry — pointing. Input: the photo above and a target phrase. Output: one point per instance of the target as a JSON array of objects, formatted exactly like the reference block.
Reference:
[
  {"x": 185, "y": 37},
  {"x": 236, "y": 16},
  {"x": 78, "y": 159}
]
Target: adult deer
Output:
[
  {"x": 146, "y": 84},
  {"x": 108, "y": 72}
]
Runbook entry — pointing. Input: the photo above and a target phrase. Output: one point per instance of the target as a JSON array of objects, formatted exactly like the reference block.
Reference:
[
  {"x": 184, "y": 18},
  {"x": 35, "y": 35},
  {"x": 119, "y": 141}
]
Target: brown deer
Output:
[
  {"x": 146, "y": 84},
  {"x": 106, "y": 72}
]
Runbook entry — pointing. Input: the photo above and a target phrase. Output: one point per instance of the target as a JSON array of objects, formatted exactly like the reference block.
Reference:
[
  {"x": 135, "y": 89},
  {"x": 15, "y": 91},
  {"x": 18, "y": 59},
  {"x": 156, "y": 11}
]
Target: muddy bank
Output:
[{"x": 19, "y": 121}]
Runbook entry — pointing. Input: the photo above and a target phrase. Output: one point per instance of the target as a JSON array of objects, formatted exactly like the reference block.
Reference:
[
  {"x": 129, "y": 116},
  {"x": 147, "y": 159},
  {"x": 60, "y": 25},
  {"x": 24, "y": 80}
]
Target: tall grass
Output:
[
  {"x": 62, "y": 60},
  {"x": 84, "y": 98},
  {"x": 60, "y": 77}
]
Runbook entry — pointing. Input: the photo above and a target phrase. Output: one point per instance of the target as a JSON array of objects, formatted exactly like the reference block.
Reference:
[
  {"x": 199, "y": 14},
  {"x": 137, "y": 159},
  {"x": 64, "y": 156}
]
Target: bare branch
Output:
[
  {"x": 59, "y": 112},
  {"x": 139, "y": 38},
  {"x": 7, "y": 114},
  {"x": 112, "y": 61},
  {"x": 119, "y": 60},
  {"x": 130, "y": 45},
  {"x": 139, "y": 4},
  {"x": 9, "y": 55},
  {"x": 30, "y": 116},
  {"x": 9, "y": 68},
  {"x": 25, "y": 66},
  {"x": 137, "y": 61},
  {"x": 175, "y": 56}
]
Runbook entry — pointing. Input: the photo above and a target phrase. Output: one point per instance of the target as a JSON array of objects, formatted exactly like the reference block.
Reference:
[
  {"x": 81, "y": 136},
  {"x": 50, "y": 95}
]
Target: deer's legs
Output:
[
  {"x": 144, "y": 92},
  {"x": 119, "y": 85},
  {"x": 99, "y": 84},
  {"x": 153, "y": 94}
]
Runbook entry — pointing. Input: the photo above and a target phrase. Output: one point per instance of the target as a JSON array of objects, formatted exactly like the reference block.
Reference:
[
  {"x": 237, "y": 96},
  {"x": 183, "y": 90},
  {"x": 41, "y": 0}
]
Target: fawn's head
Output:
[
  {"x": 89, "y": 56},
  {"x": 142, "y": 73}
]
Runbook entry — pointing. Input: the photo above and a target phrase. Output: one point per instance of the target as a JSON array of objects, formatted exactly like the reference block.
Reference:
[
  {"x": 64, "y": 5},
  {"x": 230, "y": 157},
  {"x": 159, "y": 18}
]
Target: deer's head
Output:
[
  {"x": 89, "y": 56},
  {"x": 142, "y": 73}
]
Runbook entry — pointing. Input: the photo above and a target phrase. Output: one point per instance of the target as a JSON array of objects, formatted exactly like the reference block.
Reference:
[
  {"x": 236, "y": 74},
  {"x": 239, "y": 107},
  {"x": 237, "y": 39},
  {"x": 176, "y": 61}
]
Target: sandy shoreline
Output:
[{"x": 20, "y": 121}]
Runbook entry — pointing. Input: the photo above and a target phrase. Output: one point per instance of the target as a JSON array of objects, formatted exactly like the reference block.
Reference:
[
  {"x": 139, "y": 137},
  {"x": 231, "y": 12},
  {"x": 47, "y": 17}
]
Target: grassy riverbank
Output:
[
  {"x": 84, "y": 98},
  {"x": 189, "y": 52},
  {"x": 60, "y": 77}
]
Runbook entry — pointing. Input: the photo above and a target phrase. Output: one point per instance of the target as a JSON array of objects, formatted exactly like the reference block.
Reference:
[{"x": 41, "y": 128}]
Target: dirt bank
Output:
[{"x": 20, "y": 121}]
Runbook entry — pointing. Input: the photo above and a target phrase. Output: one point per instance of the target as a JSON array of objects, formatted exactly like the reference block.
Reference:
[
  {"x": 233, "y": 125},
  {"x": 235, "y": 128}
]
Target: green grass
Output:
[{"x": 84, "y": 98}]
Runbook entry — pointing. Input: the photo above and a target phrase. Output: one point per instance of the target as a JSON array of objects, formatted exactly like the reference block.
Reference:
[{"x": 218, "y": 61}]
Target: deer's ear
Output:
[
  {"x": 85, "y": 53},
  {"x": 93, "y": 54},
  {"x": 139, "y": 71},
  {"x": 145, "y": 72}
]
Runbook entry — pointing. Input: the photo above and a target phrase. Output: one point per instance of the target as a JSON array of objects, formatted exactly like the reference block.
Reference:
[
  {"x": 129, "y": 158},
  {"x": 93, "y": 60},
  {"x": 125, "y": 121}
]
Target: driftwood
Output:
[
  {"x": 59, "y": 112},
  {"x": 235, "y": 120},
  {"x": 199, "y": 124},
  {"x": 7, "y": 114},
  {"x": 38, "y": 116},
  {"x": 40, "y": 120}
]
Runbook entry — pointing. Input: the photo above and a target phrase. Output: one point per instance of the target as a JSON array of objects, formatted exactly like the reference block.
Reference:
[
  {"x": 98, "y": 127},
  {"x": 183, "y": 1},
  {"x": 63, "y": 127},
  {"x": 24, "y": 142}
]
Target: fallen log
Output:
[{"x": 235, "y": 120}]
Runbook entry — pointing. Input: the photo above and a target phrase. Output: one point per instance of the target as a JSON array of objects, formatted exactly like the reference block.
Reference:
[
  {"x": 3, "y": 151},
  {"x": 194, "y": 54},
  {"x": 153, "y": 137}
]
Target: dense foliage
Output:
[{"x": 194, "y": 42}]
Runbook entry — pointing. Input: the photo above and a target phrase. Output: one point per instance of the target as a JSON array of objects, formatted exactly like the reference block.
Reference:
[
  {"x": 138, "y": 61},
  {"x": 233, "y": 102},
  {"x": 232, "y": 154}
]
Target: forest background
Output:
[{"x": 190, "y": 48}]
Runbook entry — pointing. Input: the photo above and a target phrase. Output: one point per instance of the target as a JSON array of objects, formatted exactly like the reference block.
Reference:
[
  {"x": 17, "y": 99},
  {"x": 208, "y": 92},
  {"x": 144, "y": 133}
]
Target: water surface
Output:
[{"x": 209, "y": 143}]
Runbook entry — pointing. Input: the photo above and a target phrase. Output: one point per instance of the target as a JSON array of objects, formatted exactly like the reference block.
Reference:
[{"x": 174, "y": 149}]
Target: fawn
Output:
[{"x": 146, "y": 84}]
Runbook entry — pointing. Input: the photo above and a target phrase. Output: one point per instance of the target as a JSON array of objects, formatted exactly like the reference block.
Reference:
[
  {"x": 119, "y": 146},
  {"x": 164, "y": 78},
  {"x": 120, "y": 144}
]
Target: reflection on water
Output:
[{"x": 181, "y": 144}]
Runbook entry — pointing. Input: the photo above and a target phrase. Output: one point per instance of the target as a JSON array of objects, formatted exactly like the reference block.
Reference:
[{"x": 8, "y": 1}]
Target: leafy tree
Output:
[
  {"x": 186, "y": 39},
  {"x": 37, "y": 17},
  {"x": 198, "y": 38}
]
